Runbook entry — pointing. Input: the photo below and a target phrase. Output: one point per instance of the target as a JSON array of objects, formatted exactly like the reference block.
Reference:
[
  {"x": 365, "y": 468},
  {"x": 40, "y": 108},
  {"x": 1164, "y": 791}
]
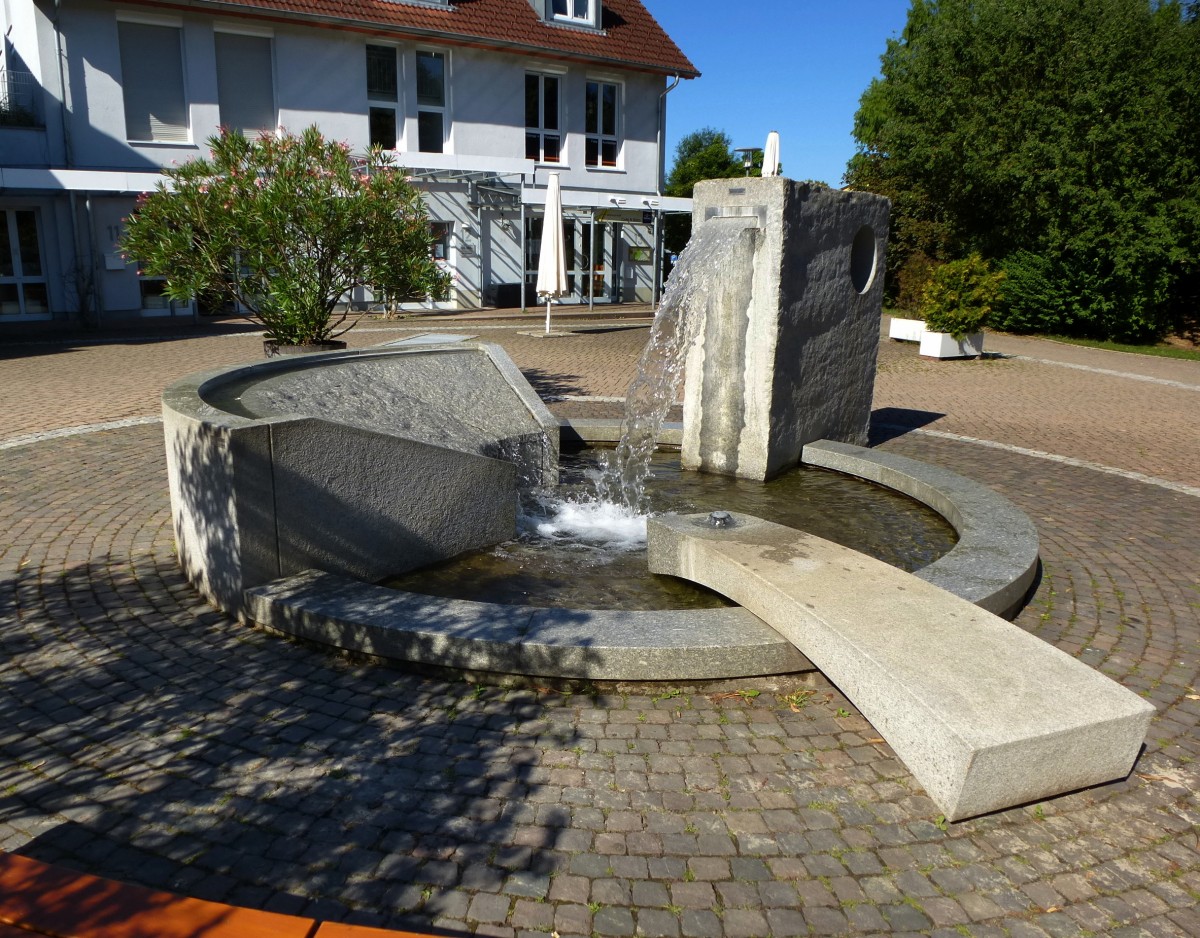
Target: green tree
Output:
[
  {"x": 285, "y": 225},
  {"x": 702, "y": 154},
  {"x": 1063, "y": 130}
]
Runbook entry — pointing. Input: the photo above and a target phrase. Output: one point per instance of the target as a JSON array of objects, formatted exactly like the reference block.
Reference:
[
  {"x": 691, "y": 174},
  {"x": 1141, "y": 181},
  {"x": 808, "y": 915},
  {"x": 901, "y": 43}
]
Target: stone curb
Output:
[{"x": 995, "y": 562}]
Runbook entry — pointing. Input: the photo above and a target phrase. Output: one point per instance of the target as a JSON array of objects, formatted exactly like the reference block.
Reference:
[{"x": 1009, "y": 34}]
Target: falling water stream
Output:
[
  {"x": 613, "y": 511},
  {"x": 655, "y": 388}
]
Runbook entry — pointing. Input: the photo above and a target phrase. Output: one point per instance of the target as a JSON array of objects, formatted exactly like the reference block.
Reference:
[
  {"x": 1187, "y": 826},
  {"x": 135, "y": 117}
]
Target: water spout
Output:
[{"x": 655, "y": 389}]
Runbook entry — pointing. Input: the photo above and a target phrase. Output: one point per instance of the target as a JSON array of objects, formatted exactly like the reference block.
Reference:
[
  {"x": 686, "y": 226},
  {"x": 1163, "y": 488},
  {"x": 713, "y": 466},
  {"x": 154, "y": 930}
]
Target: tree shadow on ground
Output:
[
  {"x": 37, "y": 345},
  {"x": 151, "y": 740},
  {"x": 550, "y": 384}
]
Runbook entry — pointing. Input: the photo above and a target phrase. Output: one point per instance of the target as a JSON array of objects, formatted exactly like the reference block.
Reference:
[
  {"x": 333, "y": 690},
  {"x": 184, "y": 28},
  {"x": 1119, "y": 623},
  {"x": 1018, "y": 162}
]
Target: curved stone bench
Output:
[{"x": 985, "y": 715}]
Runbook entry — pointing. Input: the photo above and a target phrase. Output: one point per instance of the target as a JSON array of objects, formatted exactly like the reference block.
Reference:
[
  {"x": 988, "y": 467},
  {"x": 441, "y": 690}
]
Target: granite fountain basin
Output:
[
  {"x": 359, "y": 463},
  {"x": 295, "y": 486}
]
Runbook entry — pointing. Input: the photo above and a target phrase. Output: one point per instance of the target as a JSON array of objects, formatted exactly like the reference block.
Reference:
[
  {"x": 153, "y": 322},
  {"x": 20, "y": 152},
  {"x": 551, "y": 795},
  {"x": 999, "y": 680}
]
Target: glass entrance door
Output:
[
  {"x": 589, "y": 274},
  {"x": 23, "y": 291},
  {"x": 594, "y": 270}
]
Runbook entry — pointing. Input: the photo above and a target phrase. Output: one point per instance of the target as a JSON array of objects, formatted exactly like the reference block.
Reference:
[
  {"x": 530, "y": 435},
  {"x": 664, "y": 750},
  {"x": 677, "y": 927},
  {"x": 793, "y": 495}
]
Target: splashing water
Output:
[
  {"x": 603, "y": 525},
  {"x": 613, "y": 514},
  {"x": 573, "y": 514}
]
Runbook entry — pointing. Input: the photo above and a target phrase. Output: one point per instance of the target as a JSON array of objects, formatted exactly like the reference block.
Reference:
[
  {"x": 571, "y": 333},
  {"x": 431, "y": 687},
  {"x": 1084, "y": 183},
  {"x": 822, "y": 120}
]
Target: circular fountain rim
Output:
[{"x": 993, "y": 565}]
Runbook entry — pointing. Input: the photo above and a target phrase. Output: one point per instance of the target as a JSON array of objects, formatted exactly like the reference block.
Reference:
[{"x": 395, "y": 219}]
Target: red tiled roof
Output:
[{"x": 630, "y": 36}]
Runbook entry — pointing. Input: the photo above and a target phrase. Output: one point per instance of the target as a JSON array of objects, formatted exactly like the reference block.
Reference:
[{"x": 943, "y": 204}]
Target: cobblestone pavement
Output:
[{"x": 147, "y": 738}]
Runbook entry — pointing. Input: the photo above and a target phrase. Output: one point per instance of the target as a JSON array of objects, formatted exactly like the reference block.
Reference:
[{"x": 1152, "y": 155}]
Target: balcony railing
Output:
[{"x": 18, "y": 99}]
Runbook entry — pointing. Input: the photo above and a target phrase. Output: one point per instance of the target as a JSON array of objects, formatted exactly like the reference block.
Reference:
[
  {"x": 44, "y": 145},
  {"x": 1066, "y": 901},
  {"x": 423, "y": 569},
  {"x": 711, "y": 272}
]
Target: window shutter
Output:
[
  {"x": 152, "y": 83},
  {"x": 245, "y": 86}
]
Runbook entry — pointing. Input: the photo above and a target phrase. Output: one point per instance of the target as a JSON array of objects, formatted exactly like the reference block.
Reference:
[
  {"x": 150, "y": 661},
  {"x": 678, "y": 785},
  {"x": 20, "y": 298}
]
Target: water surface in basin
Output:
[{"x": 579, "y": 553}]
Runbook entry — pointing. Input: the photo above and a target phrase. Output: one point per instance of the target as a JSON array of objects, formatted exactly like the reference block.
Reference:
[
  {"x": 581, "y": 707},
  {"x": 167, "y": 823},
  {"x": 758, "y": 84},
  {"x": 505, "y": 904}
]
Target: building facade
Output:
[{"x": 480, "y": 100}]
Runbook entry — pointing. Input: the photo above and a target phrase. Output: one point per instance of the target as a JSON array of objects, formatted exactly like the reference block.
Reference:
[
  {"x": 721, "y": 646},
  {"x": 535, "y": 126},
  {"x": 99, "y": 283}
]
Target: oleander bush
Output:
[{"x": 286, "y": 226}]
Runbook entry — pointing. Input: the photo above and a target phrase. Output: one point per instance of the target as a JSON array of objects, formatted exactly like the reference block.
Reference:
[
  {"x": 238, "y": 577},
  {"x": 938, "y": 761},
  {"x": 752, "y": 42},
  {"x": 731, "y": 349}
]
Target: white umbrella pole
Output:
[{"x": 552, "y": 276}]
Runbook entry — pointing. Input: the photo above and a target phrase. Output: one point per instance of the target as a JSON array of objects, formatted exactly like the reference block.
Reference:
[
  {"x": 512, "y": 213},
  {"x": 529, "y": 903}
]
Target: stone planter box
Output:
[
  {"x": 906, "y": 330},
  {"x": 944, "y": 345}
]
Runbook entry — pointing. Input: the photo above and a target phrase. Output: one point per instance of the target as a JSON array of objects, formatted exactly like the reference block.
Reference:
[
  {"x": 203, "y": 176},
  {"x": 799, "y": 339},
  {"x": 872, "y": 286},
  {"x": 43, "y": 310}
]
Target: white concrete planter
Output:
[
  {"x": 906, "y": 330},
  {"x": 944, "y": 345}
]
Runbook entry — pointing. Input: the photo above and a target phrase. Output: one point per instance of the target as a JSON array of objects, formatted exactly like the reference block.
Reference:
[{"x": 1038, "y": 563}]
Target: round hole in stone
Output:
[{"x": 862, "y": 259}]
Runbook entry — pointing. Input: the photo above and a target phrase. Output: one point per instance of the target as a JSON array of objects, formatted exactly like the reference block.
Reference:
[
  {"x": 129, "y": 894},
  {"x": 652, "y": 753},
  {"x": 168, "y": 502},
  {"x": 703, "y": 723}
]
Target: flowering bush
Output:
[{"x": 285, "y": 226}]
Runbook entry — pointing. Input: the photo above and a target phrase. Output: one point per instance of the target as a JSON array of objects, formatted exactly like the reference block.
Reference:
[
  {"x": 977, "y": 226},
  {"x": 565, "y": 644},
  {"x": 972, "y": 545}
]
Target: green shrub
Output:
[
  {"x": 286, "y": 225},
  {"x": 1084, "y": 296},
  {"x": 1033, "y": 298},
  {"x": 959, "y": 296},
  {"x": 912, "y": 278}
]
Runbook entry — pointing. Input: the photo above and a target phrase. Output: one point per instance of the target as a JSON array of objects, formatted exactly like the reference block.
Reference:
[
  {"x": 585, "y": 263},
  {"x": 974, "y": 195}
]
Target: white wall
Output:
[{"x": 320, "y": 77}]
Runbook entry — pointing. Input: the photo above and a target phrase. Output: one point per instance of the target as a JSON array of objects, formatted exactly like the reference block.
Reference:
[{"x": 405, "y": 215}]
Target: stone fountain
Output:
[
  {"x": 296, "y": 485},
  {"x": 784, "y": 352}
]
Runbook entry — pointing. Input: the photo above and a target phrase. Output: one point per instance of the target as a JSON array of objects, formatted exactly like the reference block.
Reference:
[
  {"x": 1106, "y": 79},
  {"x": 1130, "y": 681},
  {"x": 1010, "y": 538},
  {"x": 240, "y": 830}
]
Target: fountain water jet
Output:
[
  {"x": 655, "y": 388},
  {"x": 778, "y": 285}
]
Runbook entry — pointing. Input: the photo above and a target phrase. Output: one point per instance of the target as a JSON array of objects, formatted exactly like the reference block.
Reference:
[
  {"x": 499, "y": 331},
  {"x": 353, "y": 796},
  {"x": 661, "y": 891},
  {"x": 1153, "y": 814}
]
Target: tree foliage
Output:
[
  {"x": 1059, "y": 138},
  {"x": 285, "y": 225},
  {"x": 702, "y": 154}
]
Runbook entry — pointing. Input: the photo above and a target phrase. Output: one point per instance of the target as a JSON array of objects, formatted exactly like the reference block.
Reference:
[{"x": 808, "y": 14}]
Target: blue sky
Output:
[{"x": 795, "y": 66}]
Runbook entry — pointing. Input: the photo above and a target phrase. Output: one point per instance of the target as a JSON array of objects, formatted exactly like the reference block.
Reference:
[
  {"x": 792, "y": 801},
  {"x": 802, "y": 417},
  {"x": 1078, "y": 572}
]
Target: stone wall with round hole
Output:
[{"x": 863, "y": 258}]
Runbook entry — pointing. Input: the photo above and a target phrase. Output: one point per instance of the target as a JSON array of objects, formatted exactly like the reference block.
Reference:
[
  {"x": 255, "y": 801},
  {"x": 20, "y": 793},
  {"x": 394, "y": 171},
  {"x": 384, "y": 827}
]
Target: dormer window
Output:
[{"x": 574, "y": 12}]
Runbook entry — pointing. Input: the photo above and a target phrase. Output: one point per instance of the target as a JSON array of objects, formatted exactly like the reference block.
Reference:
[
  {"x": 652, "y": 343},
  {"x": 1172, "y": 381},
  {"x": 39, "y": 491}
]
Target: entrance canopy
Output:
[
  {"x": 600, "y": 209},
  {"x": 633, "y": 203}
]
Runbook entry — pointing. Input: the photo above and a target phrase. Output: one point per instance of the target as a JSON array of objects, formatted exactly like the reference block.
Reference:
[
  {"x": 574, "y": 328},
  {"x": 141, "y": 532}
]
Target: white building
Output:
[{"x": 481, "y": 100}]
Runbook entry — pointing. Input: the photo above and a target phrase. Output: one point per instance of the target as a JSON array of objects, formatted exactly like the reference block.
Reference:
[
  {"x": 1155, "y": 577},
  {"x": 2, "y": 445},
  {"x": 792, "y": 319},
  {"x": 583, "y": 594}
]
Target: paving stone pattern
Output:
[{"x": 147, "y": 738}]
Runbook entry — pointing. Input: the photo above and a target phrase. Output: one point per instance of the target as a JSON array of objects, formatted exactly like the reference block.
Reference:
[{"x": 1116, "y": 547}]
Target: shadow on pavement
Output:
[
  {"x": 151, "y": 740},
  {"x": 551, "y": 384},
  {"x": 888, "y": 423}
]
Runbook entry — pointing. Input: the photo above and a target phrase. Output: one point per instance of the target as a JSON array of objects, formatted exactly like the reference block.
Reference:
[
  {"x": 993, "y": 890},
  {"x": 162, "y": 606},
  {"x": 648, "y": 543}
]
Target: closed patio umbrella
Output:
[
  {"x": 552, "y": 264},
  {"x": 771, "y": 155}
]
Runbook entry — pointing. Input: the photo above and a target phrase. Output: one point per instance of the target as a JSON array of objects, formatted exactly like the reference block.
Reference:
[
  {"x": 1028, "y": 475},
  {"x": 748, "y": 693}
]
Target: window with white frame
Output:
[
  {"x": 431, "y": 102},
  {"x": 245, "y": 83},
  {"x": 543, "y": 118},
  {"x": 152, "y": 82},
  {"x": 383, "y": 96},
  {"x": 602, "y": 122},
  {"x": 23, "y": 293},
  {"x": 574, "y": 11}
]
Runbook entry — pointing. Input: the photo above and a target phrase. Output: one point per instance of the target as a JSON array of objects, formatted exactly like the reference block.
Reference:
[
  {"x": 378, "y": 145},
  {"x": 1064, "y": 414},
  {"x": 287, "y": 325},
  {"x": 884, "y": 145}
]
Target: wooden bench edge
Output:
[{"x": 41, "y": 899}]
